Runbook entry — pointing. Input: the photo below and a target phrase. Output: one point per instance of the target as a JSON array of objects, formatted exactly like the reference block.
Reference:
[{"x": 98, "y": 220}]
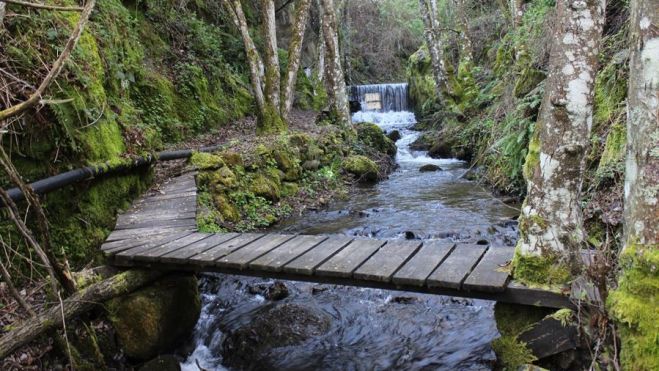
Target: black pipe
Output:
[{"x": 58, "y": 181}]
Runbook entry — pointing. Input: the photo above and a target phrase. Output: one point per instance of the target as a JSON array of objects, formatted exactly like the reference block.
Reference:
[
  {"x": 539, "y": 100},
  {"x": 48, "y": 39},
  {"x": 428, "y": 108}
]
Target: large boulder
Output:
[
  {"x": 155, "y": 319},
  {"x": 363, "y": 168},
  {"x": 372, "y": 136},
  {"x": 272, "y": 327}
]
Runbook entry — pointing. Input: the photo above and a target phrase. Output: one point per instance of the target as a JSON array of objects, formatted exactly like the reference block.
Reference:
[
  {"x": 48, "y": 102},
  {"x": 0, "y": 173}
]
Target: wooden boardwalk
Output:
[{"x": 160, "y": 232}]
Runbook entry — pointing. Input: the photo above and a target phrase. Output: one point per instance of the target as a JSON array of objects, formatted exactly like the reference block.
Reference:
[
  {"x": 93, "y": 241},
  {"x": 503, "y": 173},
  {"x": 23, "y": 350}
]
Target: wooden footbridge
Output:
[{"x": 160, "y": 232}]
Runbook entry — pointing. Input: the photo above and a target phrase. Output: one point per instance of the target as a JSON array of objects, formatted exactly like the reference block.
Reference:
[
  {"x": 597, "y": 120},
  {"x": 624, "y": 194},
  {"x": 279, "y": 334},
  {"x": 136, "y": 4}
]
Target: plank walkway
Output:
[{"x": 160, "y": 232}]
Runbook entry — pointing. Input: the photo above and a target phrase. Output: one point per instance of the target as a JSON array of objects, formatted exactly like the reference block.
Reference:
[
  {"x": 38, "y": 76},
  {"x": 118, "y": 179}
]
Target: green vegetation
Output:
[
  {"x": 634, "y": 305},
  {"x": 142, "y": 75}
]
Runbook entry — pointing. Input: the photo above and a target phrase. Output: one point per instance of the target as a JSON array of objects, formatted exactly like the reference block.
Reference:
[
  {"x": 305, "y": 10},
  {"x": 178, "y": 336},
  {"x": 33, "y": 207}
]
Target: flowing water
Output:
[{"x": 371, "y": 329}]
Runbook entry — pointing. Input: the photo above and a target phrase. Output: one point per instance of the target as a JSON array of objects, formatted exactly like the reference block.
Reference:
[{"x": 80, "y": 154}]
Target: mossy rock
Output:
[
  {"x": 527, "y": 81},
  {"x": 206, "y": 161},
  {"x": 226, "y": 208},
  {"x": 372, "y": 136},
  {"x": 232, "y": 159},
  {"x": 266, "y": 187},
  {"x": 362, "y": 167},
  {"x": 218, "y": 179},
  {"x": 155, "y": 319},
  {"x": 289, "y": 189},
  {"x": 288, "y": 162}
]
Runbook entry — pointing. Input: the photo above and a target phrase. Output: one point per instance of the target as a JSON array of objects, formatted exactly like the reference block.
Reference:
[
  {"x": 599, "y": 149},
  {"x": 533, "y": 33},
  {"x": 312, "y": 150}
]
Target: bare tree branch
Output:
[{"x": 55, "y": 70}]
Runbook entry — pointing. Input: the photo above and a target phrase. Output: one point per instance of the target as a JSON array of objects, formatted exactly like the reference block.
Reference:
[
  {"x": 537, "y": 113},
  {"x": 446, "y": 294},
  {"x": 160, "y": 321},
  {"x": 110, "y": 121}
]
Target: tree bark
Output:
[
  {"x": 466, "y": 47},
  {"x": 294, "y": 54},
  {"x": 642, "y": 165},
  {"x": 338, "y": 95},
  {"x": 235, "y": 10},
  {"x": 433, "y": 38},
  {"x": 77, "y": 304},
  {"x": 516, "y": 11},
  {"x": 269, "y": 29},
  {"x": 54, "y": 71},
  {"x": 551, "y": 221}
]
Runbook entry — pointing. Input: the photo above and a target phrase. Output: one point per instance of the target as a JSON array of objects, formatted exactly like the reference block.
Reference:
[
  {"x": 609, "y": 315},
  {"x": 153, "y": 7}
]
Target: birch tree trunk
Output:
[
  {"x": 272, "y": 78},
  {"x": 338, "y": 95},
  {"x": 432, "y": 35},
  {"x": 235, "y": 10},
  {"x": 294, "y": 54},
  {"x": 466, "y": 48},
  {"x": 642, "y": 165},
  {"x": 516, "y": 11},
  {"x": 551, "y": 228}
]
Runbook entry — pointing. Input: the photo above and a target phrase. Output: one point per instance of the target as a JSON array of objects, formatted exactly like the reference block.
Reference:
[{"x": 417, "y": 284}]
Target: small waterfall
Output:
[{"x": 380, "y": 97}]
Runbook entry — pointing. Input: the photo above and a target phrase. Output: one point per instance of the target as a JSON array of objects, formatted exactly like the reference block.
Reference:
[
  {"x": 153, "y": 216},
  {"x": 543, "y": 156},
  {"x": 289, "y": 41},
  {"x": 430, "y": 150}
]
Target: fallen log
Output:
[{"x": 82, "y": 301}]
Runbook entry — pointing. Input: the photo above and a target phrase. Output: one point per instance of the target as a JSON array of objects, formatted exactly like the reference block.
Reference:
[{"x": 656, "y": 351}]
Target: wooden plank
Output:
[
  {"x": 241, "y": 258},
  {"x": 175, "y": 245},
  {"x": 490, "y": 274},
  {"x": 182, "y": 205},
  {"x": 307, "y": 263},
  {"x": 208, "y": 257},
  {"x": 197, "y": 247},
  {"x": 386, "y": 261},
  {"x": 187, "y": 222},
  {"x": 132, "y": 218},
  {"x": 452, "y": 272},
  {"x": 126, "y": 256},
  {"x": 277, "y": 258},
  {"x": 119, "y": 245},
  {"x": 179, "y": 185},
  {"x": 124, "y": 234},
  {"x": 169, "y": 196},
  {"x": 344, "y": 263},
  {"x": 416, "y": 270}
]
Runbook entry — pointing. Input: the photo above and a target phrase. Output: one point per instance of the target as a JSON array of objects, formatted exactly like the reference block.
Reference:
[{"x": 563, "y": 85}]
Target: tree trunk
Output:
[
  {"x": 516, "y": 11},
  {"x": 294, "y": 54},
  {"x": 272, "y": 78},
  {"x": 338, "y": 95},
  {"x": 642, "y": 165},
  {"x": 551, "y": 227},
  {"x": 77, "y": 304},
  {"x": 235, "y": 10},
  {"x": 432, "y": 35},
  {"x": 466, "y": 48}
]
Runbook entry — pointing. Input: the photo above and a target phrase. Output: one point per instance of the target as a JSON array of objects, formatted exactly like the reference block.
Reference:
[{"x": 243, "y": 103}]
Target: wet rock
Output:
[
  {"x": 429, "y": 167},
  {"x": 409, "y": 235},
  {"x": 394, "y": 135},
  {"x": 318, "y": 289},
  {"x": 363, "y": 168},
  {"x": 277, "y": 291},
  {"x": 440, "y": 149},
  {"x": 162, "y": 363},
  {"x": 155, "y": 319},
  {"x": 371, "y": 135},
  {"x": 404, "y": 300},
  {"x": 272, "y": 327}
]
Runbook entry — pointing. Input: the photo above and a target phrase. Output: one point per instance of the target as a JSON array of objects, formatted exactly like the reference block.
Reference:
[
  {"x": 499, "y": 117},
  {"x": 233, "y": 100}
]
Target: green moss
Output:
[
  {"x": 512, "y": 320},
  {"x": 372, "y": 136},
  {"x": 155, "y": 319},
  {"x": 270, "y": 121},
  {"x": 614, "y": 150},
  {"x": 532, "y": 161},
  {"x": 361, "y": 167},
  {"x": 266, "y": 186},
  {"x": 206, "y": 161},
  {"x": 610, "y": 94},
  {"x": 634, "y": 306},
  {"x": 540, "y": 271},
  {"x": 565, "y": 316}
]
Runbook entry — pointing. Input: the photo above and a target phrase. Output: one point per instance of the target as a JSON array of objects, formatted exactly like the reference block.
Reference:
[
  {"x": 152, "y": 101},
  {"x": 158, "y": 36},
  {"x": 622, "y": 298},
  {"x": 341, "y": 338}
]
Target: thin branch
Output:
[
  {"x": 55, "y": 70},
  {"x": 44, "y": 6},
  {"x": 14, "y": 292}
]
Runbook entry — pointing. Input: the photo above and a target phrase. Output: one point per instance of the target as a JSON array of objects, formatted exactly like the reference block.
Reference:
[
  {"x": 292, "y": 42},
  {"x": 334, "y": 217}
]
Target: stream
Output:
[{"x": 348, "y": 328}]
